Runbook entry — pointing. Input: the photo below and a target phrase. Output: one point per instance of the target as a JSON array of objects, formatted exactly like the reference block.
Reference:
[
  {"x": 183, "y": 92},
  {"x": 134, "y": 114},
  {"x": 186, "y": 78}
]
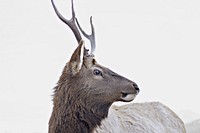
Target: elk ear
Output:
[{"x": 76, "y": 60}]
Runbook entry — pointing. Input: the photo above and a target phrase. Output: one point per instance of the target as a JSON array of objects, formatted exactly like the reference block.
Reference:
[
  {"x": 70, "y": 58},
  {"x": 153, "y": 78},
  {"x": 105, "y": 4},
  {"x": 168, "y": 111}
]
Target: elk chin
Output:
[{"x": 127, "y": 97}]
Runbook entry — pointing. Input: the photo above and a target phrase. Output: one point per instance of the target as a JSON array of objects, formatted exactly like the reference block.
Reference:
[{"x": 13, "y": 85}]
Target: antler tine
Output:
[
  {"x": 91, "y": 37},
  {"x": 71, "y": 23}
]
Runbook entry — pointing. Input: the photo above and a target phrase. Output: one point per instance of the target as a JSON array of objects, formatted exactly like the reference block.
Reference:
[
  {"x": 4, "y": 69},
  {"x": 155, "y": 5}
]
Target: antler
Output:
[
  {"x": 72, "y": 24},
  {"x": 91, "y": 37}
]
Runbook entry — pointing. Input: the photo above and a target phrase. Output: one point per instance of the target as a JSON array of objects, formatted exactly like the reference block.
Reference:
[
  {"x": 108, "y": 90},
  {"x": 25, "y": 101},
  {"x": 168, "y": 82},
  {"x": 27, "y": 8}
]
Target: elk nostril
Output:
[{"x": 136, "y": 88}]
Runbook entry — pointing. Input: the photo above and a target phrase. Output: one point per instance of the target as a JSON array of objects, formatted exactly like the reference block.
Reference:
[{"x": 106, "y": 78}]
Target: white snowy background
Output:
[{"x": 155, "y": 43}]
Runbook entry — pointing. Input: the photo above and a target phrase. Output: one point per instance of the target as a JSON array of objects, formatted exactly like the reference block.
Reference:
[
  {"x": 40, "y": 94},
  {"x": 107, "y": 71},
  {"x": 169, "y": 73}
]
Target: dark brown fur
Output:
[{"x": 81, "y": 98}]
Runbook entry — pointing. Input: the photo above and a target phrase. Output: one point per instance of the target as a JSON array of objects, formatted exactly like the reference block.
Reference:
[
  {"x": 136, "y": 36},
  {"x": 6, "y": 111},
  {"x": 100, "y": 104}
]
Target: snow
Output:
[{"x": 193, "y": 127}]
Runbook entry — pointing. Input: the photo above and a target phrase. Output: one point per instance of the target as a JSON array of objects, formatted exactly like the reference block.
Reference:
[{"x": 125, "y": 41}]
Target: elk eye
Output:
[{"x": 97, "y": 72}]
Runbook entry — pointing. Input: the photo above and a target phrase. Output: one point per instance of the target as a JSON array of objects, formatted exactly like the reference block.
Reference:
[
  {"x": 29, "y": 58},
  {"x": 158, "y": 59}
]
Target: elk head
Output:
[{"x": 87, "y": 81}]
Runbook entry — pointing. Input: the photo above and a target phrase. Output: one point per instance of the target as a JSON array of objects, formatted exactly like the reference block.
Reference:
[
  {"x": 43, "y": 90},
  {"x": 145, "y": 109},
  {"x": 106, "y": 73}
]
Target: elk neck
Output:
[{"x": 74, "y": 111}]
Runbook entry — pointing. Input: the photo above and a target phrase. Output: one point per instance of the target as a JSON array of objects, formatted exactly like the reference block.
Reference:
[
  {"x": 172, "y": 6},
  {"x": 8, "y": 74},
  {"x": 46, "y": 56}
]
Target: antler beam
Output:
[{"x": 71, "y": 23}]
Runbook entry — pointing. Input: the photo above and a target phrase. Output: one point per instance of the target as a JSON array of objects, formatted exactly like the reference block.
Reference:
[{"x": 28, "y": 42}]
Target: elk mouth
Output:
[{"x": 127, "y": 97}]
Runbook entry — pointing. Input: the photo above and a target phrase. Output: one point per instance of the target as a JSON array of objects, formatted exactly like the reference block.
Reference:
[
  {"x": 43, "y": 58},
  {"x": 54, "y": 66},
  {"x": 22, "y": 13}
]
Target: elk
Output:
[{"x": 86, "y": 90}]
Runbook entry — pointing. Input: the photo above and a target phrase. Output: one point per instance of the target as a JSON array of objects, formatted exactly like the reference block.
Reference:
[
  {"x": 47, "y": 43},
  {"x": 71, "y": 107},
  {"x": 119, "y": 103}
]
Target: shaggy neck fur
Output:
[{"x": 74, "y": 111}]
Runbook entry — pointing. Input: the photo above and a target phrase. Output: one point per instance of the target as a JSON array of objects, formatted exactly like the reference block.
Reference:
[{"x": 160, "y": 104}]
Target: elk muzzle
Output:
[{"x": 130, "y": 93}]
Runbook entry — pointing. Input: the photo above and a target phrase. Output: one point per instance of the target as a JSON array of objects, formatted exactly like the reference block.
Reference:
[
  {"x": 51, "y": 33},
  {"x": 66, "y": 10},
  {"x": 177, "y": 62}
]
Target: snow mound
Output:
[{"x": 193, "y": 127}]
